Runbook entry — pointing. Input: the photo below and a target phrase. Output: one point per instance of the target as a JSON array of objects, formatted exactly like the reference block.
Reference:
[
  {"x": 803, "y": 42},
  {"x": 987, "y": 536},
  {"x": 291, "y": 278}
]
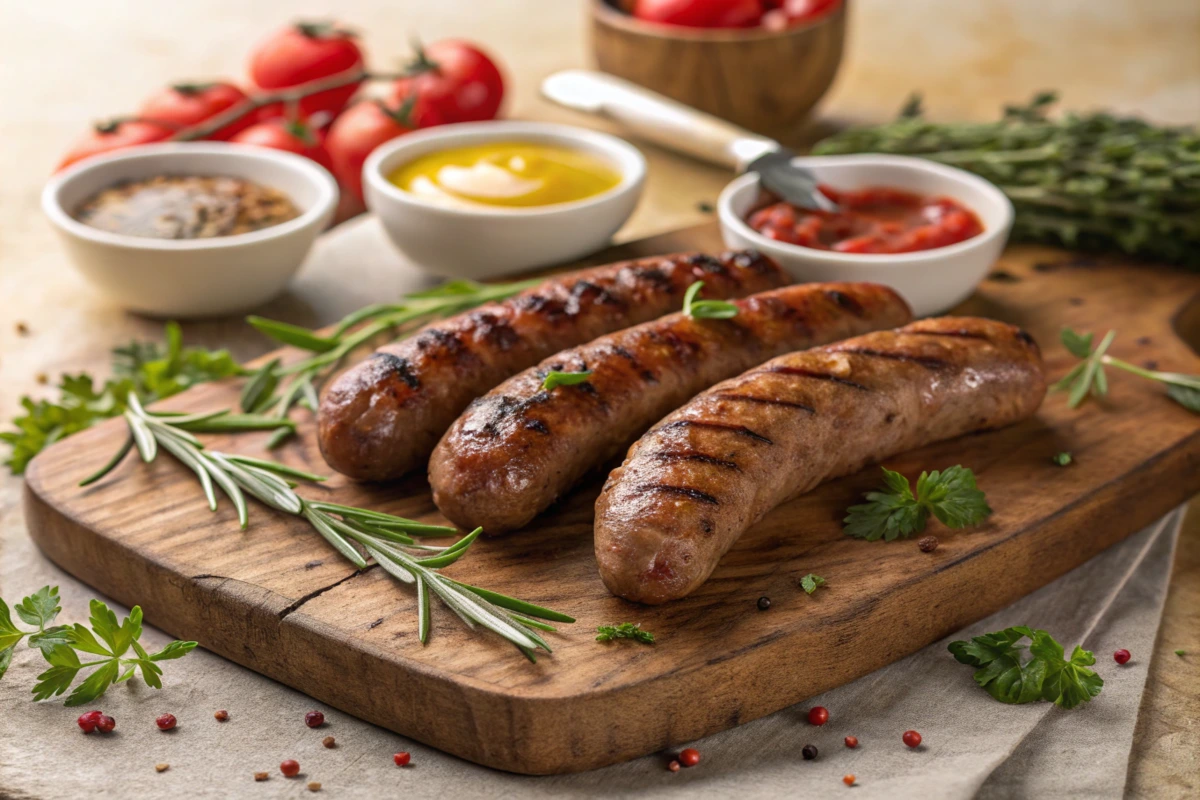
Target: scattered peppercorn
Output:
[
  {"x": 402, "y": 759},
  {"x": 87, "y": 721},
  {"x": 818, "y": 715},
  {"x": 809, "y": 752},
  {"x": 260, "y": 776},
  {"x": 927, "y": 544},
  {"x": 22, "y": 329},
  {"x": 314, "y": 719},
  {"x": 673, "y": 766},
  {"x": 689, "y": 757},
  {"x": 764, "y": 603},
  {"x": 166, "y": 722},
  {"x": 1122, "y": 656},
  {"x": 106, "y": 724},
  {"x": 852, "y": 742},
  {"x": 290, "y": 767},
  {"x": 912, "y": 738},
  {"x": 221, "y": 716},
  {"x": 704, "y": 207},
  {"x": 313, "y": 786},
  {"x": 848, "y": 780},
  {"x": 161, "y": 767},
  {"x": 328, "y": 741}
]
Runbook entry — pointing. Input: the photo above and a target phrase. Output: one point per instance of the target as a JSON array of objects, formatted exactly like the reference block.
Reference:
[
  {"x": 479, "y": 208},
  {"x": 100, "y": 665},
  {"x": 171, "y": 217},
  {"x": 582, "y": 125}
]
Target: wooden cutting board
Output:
[{"x": 277, "y": 599}]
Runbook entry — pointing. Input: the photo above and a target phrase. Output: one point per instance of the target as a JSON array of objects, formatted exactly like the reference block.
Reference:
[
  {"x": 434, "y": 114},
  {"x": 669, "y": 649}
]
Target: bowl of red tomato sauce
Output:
[
  {"x": 762, "y": 64},
  {"x": 929, "y": 231}
]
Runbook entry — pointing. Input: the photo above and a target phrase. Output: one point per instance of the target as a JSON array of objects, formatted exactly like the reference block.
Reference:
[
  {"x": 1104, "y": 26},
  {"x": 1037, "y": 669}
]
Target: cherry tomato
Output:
[
  {"x": 306, "y": 52},
  {"x": 186, "y": 104},
  {"x": 701, "y": 13},
  {"x": 455, "y": 80},
  {"x": 364, "y": 126},
  {"x": 294, "y": 136},
  {"x": 114, "y": 135},
  {"x": 800, "y": 11}
]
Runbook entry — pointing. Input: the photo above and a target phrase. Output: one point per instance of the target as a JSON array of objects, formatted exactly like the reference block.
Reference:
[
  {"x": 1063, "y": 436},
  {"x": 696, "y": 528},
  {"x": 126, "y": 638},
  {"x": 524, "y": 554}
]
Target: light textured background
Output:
[{"x": 65, "y": 62}]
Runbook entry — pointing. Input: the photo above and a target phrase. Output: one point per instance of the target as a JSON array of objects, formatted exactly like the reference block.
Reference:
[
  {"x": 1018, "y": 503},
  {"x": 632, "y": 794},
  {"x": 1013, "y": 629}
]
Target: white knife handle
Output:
[{"x": 651, "y": 116}]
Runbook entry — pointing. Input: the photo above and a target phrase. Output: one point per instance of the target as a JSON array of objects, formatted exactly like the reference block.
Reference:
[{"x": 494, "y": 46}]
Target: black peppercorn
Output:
[
  {"x": 809, "y": 752},
  {"x": 764, "y": 603}
]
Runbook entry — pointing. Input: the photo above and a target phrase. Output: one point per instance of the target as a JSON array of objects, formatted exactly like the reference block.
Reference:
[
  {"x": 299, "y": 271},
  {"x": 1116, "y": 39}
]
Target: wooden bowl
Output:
[{"x": 766, "y": 81}]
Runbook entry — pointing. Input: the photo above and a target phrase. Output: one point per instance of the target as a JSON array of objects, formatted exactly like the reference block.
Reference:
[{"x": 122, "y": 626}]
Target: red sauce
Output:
[{"x": 878, "y": 219}]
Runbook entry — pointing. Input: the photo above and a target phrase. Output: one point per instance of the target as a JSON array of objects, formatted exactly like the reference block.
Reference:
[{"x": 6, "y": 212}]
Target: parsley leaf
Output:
[
  {"x": 40, "y": 608},
  {"x": 60, "y": 645},
  {"x": 555, "y": 379},
  {"x": 810, "y": 582},
  {"x": 950, "y": 495},
  {"x": 706, "y": 309},
  {"x": 1046, "y": 675},
  {"x": 150, "y": 369},
  {"x": 626, "y": 630}
]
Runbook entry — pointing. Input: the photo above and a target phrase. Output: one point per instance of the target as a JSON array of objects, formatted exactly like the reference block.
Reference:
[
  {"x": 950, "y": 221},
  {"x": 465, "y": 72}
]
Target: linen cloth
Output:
[{"x": 972, "y": 745}]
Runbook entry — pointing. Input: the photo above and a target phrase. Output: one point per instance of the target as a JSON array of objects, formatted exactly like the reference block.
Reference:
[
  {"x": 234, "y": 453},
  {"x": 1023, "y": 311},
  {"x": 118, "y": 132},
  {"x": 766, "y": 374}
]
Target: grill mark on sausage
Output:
[
  {"x": 961, "y": 334},
  {"x": 846, "y": 301},
  {"x": 436, "y": 337},
  {"x": 400, "y": 367},
  {"x": 537, "y": 426},
  {"x": 699, "y": 457},
  {"x": 550, "y": 308},
  {"x": 741, "y": 430},
  {"x": 495, "y": 331},
  {"x": 771, "y": 401},
  {"x": 925, "y": 361},
  {"x": 683, "y": 491},
  {"x": 749, "y": 259},
  {"x": 1026, "y": 338},
  {"x": 653, "y": 276},
  {"x": 707, "y": 263},
  {"x": 800, "y": 372},
  {"x": 598, "y": 295}
]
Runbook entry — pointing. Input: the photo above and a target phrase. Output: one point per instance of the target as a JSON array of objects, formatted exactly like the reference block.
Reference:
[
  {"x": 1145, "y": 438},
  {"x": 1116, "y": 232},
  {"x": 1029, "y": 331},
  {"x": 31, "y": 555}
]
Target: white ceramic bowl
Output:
[
  {"x": 488, "y": 242},
  {"x": 192, "y": 277},
  {"x": 930, "y": 280}
]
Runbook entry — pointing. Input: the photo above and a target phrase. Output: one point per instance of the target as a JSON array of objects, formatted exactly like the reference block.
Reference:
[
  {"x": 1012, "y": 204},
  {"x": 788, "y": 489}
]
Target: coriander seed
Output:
[
  {"x": 328, "y": 741},
  {"x": 927, "y": 544}
]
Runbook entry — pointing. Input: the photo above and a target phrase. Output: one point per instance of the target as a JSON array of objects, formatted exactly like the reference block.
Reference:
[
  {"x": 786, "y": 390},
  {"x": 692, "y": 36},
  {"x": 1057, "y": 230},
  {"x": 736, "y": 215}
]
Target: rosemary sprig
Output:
[
  {"x": 1088, "y": 377},
  {"x": 386, "y": 538},
  {"x": 297, "y": 383}
]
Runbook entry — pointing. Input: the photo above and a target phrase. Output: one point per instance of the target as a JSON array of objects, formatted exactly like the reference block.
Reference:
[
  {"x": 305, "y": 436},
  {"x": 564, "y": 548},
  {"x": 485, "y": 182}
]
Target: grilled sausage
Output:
[
  {"x": 710, "y": 470},
  {"x": 517, "y": 449},
  {"x": 381, "y": 418}
]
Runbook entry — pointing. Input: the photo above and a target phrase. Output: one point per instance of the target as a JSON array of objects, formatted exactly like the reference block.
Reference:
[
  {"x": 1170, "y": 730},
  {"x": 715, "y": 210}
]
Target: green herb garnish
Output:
[
  {"x": 950, "y": 495},
  {"x": 810, "y": 582},
  {"x": 61, "y": 645},
  {"x": 1181, "y": 652},
  {"x": 1087, "y": 377},
  {"x": 706, "y": 309},
  {"x": 151, "y": 370},
  {"x": 388, "y": 539},
  {"x": 555, "y": 379},
  {"x": 1062, "y": 459},
  {"x": 1084, "y": 181},
  {"x": 626, "y": 630},
  {"x": 1046, "y": 675}
]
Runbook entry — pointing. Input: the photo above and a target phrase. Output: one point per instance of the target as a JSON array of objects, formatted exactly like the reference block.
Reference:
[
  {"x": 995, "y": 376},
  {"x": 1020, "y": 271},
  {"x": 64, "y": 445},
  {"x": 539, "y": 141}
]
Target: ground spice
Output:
[{"x": 186, "y": 207}]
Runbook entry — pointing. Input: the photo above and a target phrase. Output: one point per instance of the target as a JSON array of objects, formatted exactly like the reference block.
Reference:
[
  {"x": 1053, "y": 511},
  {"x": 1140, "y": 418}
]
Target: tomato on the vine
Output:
[
  {"x": 183, "y": 105},
  {"x": 308, "y": 51},
  {"x": 455, "y": 80},
  {"x": 294, "y": 136},
  {"x": 364, "y": 126},
  {"x": 701, "y": 13},
  {"x": 114, "y": 135}
]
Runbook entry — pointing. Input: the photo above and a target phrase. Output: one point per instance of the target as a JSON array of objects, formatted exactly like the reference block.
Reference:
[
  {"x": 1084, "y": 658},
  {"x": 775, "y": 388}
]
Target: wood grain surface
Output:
[{"x": 276, "y": 599}]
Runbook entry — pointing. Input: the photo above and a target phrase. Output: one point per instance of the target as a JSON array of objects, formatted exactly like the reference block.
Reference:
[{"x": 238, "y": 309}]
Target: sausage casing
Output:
[
  {"x": 514, "y": 451},
  {"x": 381, "y": 418},
  {"x": 707, "y": 472}
]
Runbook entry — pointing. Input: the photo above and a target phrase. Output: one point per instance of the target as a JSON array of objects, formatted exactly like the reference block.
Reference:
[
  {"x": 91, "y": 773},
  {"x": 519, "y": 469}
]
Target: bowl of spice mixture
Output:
[{"x": 190, "y": 229}]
